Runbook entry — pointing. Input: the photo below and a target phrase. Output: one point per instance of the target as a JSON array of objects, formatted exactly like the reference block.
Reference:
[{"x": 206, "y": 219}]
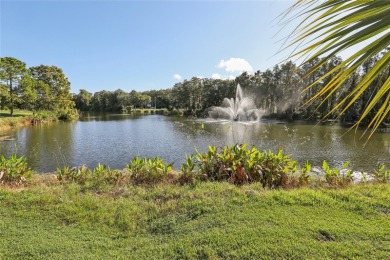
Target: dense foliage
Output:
[
  {"x": 39, "y": 88},
  {"x": 281, "y": 92},
  {"x": 240, "y": 165},
  {"x": 14, "y": 170}
]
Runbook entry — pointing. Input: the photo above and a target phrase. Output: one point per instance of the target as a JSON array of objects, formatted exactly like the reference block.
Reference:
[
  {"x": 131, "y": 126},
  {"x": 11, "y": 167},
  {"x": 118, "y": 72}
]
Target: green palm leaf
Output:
[{"x": 330, "y": 27}]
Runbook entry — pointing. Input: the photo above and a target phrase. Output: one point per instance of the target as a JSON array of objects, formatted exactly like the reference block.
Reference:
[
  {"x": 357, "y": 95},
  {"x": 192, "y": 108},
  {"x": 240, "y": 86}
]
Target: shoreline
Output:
[{"x": 9, "y": 123}]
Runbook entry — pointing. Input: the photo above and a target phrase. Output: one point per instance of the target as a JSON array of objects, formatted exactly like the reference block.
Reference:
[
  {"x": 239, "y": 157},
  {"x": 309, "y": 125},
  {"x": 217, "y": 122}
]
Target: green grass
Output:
[
  {"x": 17, "y": 113},
  {"x": 206, "y": 220},
  {"x": 19, "y": 118}
]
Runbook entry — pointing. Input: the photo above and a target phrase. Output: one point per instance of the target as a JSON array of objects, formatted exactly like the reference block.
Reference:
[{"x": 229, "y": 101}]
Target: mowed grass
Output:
[
  {"x": 202, "y": 221},
  {"x": 19, "y": 118},
  {"x": 17, "y": 113}
]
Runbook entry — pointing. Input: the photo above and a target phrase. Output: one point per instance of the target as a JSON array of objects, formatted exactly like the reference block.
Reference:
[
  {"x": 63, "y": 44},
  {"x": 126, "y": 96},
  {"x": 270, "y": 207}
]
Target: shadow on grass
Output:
[{"x": 6, "y": 113}]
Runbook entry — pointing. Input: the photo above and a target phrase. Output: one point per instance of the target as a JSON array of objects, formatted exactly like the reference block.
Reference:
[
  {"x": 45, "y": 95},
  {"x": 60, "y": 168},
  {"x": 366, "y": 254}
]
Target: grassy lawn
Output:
[
  {"x": 207, "y": 221},
  {"x": 8, "y": 122},
  {"x": 17, "y": 113}
]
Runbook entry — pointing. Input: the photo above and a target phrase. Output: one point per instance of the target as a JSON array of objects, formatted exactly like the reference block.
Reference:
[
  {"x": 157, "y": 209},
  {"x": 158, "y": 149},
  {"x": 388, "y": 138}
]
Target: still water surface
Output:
[{"x": 114, "y": 139}]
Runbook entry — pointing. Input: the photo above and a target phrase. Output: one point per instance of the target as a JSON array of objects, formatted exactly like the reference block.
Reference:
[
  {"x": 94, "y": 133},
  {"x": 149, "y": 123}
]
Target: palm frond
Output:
[{"x": 333, "y": 26}]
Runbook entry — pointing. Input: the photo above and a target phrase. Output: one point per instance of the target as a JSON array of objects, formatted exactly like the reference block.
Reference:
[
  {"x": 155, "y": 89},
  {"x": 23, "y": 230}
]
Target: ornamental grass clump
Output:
[{"x": 14, "y": 170}]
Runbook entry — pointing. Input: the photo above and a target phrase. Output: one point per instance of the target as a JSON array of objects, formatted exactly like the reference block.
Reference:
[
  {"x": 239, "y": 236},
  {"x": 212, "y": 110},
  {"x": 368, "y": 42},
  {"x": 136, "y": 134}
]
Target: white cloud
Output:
[
  {"x": 216, "y": 76},
  {"x": 235, "y": 65},
  {"x": 231, "y": 77},
  {"x": 177, "y": 77}
]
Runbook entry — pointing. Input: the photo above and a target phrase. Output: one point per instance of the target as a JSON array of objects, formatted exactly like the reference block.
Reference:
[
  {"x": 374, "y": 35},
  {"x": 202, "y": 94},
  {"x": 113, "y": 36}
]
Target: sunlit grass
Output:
[
  {"x": 19, "y": 118},
  {"x": 204, "y": 220},
  {"x": 17, "y": 113}
]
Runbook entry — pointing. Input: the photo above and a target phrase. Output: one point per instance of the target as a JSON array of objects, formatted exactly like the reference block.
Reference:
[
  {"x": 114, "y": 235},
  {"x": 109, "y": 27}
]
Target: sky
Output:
[{"x": 143, "y": 45}]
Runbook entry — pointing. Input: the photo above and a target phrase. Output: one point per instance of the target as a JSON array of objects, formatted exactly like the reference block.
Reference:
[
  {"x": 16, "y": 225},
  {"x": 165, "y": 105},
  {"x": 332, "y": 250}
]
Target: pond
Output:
[{"x": 114, "y": 139}]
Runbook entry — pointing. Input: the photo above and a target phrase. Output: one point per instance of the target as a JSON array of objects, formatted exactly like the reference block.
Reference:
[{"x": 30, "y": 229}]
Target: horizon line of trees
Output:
[{"x": 280, "y": 92}]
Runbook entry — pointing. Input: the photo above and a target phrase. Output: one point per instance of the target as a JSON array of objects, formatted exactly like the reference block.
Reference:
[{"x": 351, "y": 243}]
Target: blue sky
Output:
[{"x": 142, "y": 45}]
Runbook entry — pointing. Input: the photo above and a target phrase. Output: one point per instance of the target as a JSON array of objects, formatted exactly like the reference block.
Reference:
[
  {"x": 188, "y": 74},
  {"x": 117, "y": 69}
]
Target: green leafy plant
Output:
[
  {"x": 149, "y": 170},
  {"x": 14, "y": 169},
  {"x": 75, "y": 174},
  {"x": 240, "y": 165},
  {"x": 103, "y": 174},
  {"x": 333, "y": 176},
  {"x": 95, "y": 178},
  {"x": 188, "y": 174},
  {"x": 304, "y": 177},
  {"x": 381, "y": 174},
  {"x": 43, "y": 116}
]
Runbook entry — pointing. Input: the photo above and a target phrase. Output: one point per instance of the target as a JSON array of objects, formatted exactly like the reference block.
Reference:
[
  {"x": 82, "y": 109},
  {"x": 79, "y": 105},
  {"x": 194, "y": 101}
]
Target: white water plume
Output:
[{"x": 239, "y": 109}]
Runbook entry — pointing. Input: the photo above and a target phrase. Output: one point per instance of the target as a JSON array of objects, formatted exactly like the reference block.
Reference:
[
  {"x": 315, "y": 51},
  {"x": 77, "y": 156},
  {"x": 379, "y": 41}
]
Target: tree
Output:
[
  {"x": 53, "y": 89},
  {"x": 28, "y": 92},
  {"x": 83, "y": 100},
  {"x": 333, "y": 26},
  {"x": 3, "y": 96},
  {"x": 11, "y": 72}
]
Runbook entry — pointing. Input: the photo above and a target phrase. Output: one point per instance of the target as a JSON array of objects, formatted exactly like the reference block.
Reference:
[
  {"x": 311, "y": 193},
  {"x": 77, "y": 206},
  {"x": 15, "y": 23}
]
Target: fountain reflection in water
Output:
[{"x": 239, "y": 109}]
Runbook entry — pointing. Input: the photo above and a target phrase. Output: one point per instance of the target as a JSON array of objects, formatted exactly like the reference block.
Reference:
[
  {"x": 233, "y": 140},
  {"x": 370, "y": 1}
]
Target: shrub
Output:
[
  {"x": 103, "y": 174},
  {"x": 149, "y": 170},
  {"x": 67, "y": 114},
  {"x": 93, "y": 178},
  {"x": 188, "y": 174},
  {"x": 381, "y": 174},
  {"x": 14, "y": 170},
  {"x": 333, "y": 176},
  {"x": 240, "y": 165},
  {"x": 75, "y": 174},
  {"x": 43, "y": 116}
]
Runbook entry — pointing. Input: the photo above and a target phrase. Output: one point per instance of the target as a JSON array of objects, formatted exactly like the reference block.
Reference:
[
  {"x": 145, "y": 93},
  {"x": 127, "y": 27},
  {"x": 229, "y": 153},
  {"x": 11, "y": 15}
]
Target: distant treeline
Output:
[{"x": 281, "y": 92}]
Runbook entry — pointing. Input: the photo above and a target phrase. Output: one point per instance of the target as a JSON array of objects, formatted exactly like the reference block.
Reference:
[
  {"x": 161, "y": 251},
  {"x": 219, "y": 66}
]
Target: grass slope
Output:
[
  {"x": 207, "y": 221},
  {"x": 19, "y": 118}
]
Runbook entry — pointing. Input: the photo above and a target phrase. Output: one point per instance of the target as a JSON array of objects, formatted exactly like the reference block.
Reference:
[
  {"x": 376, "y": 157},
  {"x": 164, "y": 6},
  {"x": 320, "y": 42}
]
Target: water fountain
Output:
[{"x": 239, "y": 109}]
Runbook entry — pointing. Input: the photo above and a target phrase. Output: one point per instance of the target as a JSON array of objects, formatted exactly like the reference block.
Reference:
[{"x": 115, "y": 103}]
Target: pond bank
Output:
[{"x": 9, "y": 123}]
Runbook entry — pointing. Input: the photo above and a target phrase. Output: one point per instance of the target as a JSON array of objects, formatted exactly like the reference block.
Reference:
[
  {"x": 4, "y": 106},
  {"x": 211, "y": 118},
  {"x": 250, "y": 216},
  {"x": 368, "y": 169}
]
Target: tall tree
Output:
[
  {"x": 333, "y": 26},
  {"x": 11, "y": 72},
  {"x": 53, "y": 89}
]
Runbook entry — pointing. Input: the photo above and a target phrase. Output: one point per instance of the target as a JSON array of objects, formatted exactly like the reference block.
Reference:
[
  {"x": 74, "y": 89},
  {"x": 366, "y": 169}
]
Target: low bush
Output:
[
  {"x": 74, "y": 174},
  {"x": 188, "y": 174},
  {"x": 67, "y": 114},
  {"x": 381, "y": 174},
  {"x": 14, "y": 170},
  {"x": 239, "y": 165},
  {"x": 95, "y": 178},
  {"x": 41, "y": 116},
  {"x": 334, "y": 177},
  {"x": 149, "y": 170}
]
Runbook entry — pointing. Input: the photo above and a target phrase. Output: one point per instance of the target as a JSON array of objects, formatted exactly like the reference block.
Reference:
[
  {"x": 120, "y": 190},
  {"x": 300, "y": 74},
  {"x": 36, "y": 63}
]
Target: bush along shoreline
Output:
[{"x": 235, "y": 164}]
